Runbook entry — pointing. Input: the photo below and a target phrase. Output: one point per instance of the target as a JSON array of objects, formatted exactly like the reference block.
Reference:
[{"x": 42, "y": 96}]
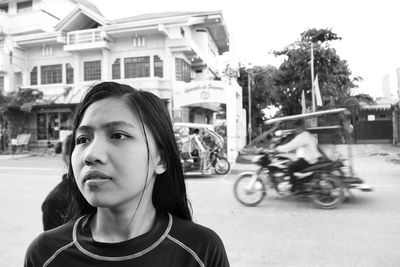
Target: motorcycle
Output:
[
  {"x": 220, "y": 164},
  {"x": 326, "y": 182}
]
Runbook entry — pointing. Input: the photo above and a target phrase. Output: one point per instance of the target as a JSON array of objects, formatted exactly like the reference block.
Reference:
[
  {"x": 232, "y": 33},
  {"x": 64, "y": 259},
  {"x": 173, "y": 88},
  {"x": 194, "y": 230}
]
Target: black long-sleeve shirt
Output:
[{"x": 171, "y": 242}]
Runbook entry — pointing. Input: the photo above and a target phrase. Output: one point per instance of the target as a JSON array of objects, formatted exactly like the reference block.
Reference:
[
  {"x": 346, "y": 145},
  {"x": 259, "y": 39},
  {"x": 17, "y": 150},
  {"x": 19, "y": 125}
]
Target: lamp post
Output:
[{"x": 249, "y": 82}]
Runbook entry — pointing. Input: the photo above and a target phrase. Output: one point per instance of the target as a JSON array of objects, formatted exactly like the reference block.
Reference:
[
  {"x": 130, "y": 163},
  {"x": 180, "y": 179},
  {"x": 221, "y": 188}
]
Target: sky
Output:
[{"x": 369, "y": 29}]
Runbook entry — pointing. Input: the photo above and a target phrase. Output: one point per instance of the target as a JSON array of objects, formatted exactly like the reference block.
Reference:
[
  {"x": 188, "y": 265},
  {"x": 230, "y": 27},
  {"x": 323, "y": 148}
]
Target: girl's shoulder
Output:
[
  {"x": 185, "y": 227},
  {"x": 195, "y": 235},
  {"x": 47, "y": 243},
  {"x": 200, "y": 240}
]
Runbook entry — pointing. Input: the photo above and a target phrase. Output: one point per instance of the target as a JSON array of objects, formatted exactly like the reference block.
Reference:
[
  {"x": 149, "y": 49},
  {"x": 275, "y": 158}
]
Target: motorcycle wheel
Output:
[
  {"x": 249, "y": 197},
  {"x": 221, "y": 165},
  {"x": 328, "y": 192}
]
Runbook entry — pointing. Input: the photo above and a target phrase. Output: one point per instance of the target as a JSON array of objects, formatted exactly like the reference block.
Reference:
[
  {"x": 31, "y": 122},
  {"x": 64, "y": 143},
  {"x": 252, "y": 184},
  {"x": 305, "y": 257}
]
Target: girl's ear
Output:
[{"x": 161, "y": 167}]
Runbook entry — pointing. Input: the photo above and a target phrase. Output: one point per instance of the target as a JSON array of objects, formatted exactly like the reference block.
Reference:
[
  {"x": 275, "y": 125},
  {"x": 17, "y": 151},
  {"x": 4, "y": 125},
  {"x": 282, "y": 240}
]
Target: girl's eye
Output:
[
  {"x": 118, "y": 136},
  {"x": 81, "y": 140}
]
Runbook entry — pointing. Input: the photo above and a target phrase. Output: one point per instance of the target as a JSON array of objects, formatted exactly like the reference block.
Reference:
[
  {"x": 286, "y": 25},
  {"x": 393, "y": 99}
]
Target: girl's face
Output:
[{"x": 109, "y": 160}]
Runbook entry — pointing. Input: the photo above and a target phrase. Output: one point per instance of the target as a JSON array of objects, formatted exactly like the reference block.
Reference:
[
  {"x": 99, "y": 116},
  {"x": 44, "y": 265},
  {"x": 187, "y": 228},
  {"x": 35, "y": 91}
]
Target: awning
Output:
[{"x": 210, "y": 106}]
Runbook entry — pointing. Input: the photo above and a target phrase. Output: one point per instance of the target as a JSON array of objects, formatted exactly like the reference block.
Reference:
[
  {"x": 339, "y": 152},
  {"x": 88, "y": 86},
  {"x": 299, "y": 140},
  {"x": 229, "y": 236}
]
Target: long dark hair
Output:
[{"x": 169, "y": 192}]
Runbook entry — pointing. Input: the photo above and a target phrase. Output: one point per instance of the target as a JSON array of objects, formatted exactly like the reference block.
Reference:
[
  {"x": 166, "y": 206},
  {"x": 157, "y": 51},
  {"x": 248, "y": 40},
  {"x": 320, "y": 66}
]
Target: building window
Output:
[
  {"x": 158, "y": 67},
  {"x": 51, "y": 124},
  {"x": 139, "y": 41},
  {"x": 1, "y": 83},
  {"x": 69, "y": 71},
  {"x": 17, "y": 80},
  {"x": 182, "y": 70},
  {"x": 116, "y": 69},
  {"x": 4, "y": 8},
  {"x": 24, "y": 6},
  {"x": 51, "y": 74},
  {"x": 136, "y": 67},
  {"x": 47, "y": 51},
  {"x": 34, "y": 76},
  {"x": 92, "y": 70}
]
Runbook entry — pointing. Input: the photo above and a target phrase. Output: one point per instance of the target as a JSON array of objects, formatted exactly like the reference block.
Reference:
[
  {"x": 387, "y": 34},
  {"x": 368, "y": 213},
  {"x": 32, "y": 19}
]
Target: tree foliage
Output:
[
  {"x": 262, "y": 93},
  {"x": 22, "y": 99},
  {"x": 365, "y": 98},
  {"x": 294, "y": 74}
]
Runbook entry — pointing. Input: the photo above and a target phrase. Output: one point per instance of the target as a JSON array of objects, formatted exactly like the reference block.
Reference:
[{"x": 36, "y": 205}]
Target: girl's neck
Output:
[{"x": 110, "y": 226}]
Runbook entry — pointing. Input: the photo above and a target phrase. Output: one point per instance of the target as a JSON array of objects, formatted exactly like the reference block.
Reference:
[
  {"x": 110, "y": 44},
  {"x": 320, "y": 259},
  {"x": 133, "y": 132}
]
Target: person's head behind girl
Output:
[
  {"x": 124, "y": 154},
  {"x": 66, "y": 149}
]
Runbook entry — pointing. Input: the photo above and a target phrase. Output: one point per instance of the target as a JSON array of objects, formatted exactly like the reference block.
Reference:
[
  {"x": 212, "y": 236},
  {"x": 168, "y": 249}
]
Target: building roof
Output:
[
  {"x": 161, "y": 15},
  {"x": 87, "y": 4},
  {"x": 79, "y": 16},
  {"x": 212, "y": 20}
]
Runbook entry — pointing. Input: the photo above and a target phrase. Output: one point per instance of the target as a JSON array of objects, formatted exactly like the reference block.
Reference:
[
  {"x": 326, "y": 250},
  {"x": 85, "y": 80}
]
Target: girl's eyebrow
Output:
[
  {"x": 106, "y": 125},
  {"x": 113, "y": 124}
]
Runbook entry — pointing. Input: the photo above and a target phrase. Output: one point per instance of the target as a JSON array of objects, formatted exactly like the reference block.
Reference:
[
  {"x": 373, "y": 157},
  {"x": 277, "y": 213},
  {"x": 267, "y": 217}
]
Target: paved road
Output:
[{"x": 364, "y": 231}]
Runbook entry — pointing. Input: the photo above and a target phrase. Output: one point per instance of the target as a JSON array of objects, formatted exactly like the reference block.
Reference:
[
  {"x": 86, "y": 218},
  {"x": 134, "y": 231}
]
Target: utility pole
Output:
[
  {"x": 312, "y": 79},
  {"x": 249, "y": 79}
]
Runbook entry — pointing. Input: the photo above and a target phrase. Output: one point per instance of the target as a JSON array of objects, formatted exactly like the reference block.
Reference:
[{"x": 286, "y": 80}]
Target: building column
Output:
[
  {"x": 64, "y": 73},
  {"x": 77, "y": 68},
  {"x": 395, "y": 122},
  {"x": 25, "y": 77},
  {"x": 39, "y": 77},
  {"x": 122, "y": 67},
  {"x": 151, "y": 63},
  {"x": 11, "y": 79},
  {"x": 105, "y": 65},
  {"x": 231, "y": 122}
]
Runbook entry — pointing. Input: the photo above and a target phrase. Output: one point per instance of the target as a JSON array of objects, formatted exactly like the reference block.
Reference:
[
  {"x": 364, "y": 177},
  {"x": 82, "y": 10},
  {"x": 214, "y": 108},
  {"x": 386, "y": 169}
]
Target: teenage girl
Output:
[{"x": 128, "y": 196}]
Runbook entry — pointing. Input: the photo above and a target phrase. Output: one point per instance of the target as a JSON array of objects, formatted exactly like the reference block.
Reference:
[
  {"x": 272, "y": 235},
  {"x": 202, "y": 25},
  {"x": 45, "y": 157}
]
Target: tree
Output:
[
  {"x": 365, "y": 98},
  {"x": 12, "y": 103},
  {"x": 24, "y": 99},
  {"x": 262, "y": 93},
  {"x": 294, "y": 74}
]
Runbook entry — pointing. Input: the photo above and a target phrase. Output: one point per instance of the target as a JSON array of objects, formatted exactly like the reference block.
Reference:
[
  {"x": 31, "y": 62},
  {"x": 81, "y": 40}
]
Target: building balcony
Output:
[
  {"x": 27, "y": 22},
  {"x": 4, "y": 22},
  {"x": 87, "y": 40},
  {"x": 194, "y": 53}
]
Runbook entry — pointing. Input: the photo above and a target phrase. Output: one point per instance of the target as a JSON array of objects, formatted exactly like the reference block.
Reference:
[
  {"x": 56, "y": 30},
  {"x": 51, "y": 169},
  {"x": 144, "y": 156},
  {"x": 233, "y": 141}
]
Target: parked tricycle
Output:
[{"x": 201, "y": 148}]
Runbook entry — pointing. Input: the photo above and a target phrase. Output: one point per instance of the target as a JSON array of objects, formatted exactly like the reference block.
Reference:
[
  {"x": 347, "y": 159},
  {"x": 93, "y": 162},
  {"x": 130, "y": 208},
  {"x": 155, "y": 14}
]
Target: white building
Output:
[{"x": 62, "y": 47}]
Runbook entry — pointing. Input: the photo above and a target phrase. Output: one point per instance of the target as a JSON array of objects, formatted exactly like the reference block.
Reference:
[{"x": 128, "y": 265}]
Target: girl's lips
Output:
[{"x": 95, "y": 176}]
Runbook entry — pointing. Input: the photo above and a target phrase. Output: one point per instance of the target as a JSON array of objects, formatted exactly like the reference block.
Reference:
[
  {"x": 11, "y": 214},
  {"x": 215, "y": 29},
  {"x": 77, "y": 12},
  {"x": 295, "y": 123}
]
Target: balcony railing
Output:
[{"x": 86, "y": 37}]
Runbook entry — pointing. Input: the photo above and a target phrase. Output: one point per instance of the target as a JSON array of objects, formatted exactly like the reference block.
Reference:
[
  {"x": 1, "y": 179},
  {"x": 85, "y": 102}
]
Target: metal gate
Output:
[{"x": 374, "y": 131}]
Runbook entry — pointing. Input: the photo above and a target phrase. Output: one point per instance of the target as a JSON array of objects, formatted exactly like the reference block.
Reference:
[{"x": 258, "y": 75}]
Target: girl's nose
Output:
[{"x": 95, "y": 152}]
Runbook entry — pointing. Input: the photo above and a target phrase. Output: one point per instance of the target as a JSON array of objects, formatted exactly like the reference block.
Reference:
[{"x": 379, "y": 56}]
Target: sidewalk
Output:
[{"x": 16, "y": 156}]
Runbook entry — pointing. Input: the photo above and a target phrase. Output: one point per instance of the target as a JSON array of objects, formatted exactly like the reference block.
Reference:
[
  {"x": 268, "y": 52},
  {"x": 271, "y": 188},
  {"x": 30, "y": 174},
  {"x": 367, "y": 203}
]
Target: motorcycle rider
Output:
[{"x": 307, "y": 152}]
